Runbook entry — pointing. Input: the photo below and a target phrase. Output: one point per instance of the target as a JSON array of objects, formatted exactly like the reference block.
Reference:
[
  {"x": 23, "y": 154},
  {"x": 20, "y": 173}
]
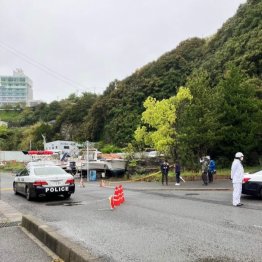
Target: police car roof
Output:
[{"x": 40, "y": 163}]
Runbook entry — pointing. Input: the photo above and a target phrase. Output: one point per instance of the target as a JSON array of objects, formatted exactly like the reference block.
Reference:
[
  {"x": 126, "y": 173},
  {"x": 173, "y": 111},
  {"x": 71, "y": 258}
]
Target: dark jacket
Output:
[
  {"x": 177, "y": 168},
  {"x": 164, "y": 167}
]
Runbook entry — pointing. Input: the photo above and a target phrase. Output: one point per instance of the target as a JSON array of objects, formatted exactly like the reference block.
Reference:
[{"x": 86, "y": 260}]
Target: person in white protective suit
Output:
[{"x": 237, "y": 174}]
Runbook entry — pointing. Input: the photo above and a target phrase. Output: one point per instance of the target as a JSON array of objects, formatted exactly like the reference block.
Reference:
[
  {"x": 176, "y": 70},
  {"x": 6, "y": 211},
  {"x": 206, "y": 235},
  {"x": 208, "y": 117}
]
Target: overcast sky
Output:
[{"x": 73, "y": 46}]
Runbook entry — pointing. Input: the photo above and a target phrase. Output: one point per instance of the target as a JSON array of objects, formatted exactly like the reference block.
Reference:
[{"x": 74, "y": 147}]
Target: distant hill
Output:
[{"x": 116, "y": 114}]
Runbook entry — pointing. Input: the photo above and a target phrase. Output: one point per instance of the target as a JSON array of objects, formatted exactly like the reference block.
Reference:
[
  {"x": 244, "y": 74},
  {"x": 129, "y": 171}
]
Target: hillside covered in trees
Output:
[{"x": 222, "y": 72}]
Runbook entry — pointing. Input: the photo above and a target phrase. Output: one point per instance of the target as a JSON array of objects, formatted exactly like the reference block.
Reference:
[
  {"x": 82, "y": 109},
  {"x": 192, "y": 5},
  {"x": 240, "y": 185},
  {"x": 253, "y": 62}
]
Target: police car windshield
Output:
[{"x": 50, "y": 170}]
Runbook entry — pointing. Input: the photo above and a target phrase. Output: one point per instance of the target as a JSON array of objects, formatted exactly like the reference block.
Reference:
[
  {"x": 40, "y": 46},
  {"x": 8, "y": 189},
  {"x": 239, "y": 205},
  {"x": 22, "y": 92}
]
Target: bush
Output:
[{"x": 106, "y": 149}]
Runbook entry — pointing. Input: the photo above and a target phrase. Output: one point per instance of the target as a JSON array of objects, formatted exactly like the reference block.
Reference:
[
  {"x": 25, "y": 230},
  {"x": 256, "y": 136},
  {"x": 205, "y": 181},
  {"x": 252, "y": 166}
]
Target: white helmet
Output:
[{"x": 239, "y": 155}]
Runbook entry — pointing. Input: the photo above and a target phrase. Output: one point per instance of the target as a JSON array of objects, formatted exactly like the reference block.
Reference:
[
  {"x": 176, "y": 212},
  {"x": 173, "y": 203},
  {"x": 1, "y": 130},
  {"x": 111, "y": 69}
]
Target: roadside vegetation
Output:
[
  {"x": 11, "y": 166},
  {"x": 223, "y": 173},
  {"x": 14, "y": 167}
]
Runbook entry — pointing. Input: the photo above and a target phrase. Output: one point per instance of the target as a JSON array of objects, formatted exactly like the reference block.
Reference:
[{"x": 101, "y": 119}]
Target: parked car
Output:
[
  {"x": 43, "y": 178},
  {"x": 154, "y": 154},
  {"x": 252, "y": 184}
]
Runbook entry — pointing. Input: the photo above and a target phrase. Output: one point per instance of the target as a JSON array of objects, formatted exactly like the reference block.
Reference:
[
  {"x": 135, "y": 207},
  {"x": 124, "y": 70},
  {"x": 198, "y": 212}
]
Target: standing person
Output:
[
  {"x": 177, "y": 171},
  {"x": 211, "y": 170},
  {"x": 164, "y": 169},
  {"x": 237, "y": 174},
  {"x": 204, "y": 168}
]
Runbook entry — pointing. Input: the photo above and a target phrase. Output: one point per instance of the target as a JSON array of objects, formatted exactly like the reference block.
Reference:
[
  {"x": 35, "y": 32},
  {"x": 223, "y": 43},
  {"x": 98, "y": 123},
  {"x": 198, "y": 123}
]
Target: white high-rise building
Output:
[{"x": 16, "y": 89}]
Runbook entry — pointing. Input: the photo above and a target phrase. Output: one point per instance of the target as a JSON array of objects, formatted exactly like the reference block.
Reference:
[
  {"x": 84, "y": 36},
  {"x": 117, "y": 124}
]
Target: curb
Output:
[
  {"x": 180, "y": 189},
  {"x": 64, "y": 248},
  {"x": 172, "y": 188}
]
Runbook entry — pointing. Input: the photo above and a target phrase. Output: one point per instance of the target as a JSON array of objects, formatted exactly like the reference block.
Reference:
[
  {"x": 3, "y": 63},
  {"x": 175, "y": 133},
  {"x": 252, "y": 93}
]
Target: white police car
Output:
[
  {"x": 43, "y": 178},
  {"x": 252, "y": 184}
]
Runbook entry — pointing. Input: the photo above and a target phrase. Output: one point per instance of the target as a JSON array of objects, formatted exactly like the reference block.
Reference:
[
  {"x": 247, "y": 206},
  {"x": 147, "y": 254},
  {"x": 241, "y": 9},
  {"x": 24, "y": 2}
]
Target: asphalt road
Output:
[{"x": 155, "y": 223}]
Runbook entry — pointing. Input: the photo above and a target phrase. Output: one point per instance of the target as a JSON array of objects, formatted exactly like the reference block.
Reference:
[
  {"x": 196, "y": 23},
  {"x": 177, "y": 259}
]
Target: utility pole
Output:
[{"x": 87, "y": 160}]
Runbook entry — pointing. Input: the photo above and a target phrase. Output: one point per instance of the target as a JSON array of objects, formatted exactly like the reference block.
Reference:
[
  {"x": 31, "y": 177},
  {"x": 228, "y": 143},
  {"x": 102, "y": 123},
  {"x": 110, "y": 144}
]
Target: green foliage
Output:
[
  {"x": 132, "y": 163},
  {"x": 93, "y": 123},
  {"x": 237, "y": 42},
  {"x": 130, "y": 157},
  {"x": 70, "y": 123},
  {"x": 109, "y": 149},
  {"x": 160, "y": 117},
  {"x": 31, "y": 137},
  {"x": 9, "y": 138},
  {"x": 117, "y": 113},
  {"x": 198, "y": 122},
  {"x": 9, "y": 116},
  {"x": 129, "y": 152},
  {"x": 241, "y": 114}
]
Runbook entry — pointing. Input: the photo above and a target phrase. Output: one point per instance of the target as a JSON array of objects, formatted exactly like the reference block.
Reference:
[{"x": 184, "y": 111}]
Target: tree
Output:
[
  {"x": 32, "y": 136},
  {"x": 159, "y": 119},
  {"x": 241, "y": 114},
  {"x": 198, "y": 122},
  {"x": 5, "y": 137}
]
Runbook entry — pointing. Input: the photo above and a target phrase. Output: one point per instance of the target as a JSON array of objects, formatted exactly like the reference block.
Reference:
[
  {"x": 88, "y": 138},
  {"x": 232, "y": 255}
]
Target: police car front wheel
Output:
[
  {"x": 15, "y": 189},
  {"x": 260, "y": 193}
]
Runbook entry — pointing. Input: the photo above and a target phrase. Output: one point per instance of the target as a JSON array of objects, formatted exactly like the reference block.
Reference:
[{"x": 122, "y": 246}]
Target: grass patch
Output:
[
  {"x": 12, "y": 166},
  {"x": 9, "y": 115},
  {"x": 157, "y": 176}
]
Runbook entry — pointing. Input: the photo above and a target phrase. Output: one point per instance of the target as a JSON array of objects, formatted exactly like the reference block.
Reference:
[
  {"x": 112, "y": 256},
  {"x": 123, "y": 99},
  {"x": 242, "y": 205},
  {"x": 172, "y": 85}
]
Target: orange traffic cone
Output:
[
  {"x": 116, "y": 197},
  {"x": 122, "y": 194}
]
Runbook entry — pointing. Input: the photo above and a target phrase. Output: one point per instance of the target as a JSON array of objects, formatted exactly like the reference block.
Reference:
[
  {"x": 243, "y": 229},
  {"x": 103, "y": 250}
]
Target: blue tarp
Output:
[{"x": 92, "y": 175}]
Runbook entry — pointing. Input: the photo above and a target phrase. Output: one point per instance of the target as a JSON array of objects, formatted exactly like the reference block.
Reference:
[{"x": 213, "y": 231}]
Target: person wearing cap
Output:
[
  {"x": 204, "y": 169},
  {"x": 237, "y": 174}
]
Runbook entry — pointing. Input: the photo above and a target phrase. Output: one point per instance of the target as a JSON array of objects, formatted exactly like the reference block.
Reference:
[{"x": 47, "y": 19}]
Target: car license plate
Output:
[
  {"x": 56, "y": 182},
  {"x": 56, "y": 189}
]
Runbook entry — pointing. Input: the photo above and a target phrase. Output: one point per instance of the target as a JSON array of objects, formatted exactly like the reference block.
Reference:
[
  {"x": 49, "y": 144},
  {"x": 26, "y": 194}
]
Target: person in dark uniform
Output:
[
  {"x": 177, "y": 171},
  {"x": 204, "y": 168},
  {"x": 164, "y": 169}
]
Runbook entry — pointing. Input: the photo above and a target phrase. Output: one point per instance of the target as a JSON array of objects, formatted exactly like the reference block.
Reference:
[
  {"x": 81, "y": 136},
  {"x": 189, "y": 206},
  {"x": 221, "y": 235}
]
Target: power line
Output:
[{"x": 40, "y": 66}]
